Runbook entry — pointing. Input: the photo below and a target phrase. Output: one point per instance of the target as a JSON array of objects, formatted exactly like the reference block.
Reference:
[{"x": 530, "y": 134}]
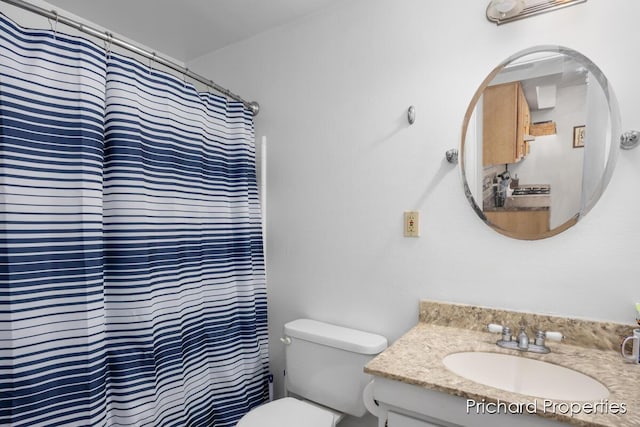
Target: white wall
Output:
[{"x": 344, "y": 165}]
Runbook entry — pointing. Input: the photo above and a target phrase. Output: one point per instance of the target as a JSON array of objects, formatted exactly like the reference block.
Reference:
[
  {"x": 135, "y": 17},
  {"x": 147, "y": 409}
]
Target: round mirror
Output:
[{"x": 538, "y": 142}]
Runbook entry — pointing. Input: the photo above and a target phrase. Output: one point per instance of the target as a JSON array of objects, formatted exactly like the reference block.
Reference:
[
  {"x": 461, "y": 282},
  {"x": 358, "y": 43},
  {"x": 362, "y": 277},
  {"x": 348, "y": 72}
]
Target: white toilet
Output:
[{"x": 324, "y": 369}]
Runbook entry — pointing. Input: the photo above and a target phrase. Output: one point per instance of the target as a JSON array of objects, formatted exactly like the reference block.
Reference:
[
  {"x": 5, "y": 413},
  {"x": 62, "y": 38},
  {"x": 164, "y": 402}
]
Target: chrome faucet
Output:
[{"x": 522, "y": 341}]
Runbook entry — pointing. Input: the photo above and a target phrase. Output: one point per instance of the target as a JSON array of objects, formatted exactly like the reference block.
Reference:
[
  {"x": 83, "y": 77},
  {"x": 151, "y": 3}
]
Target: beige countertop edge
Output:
[{"x": 416, "y": 358}]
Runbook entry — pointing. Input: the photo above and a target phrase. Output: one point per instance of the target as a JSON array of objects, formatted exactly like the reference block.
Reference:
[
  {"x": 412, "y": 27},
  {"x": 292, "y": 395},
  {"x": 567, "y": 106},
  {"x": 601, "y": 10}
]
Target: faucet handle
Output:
[
  {"x": 541, "y": 336},
  {"x": 554, "y": 336},
  {"x": 499, "y": 329},
  {"x": 494, "y": 328}
]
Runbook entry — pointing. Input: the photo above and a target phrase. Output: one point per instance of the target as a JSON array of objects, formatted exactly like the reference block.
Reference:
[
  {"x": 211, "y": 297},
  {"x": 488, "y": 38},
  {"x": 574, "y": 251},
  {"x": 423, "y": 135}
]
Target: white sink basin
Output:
[{"x": 525, "y": 376}]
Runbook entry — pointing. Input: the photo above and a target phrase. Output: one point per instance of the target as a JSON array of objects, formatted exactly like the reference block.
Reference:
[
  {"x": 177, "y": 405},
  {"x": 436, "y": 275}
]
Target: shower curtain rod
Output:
[{"x": 253, "y": 106}]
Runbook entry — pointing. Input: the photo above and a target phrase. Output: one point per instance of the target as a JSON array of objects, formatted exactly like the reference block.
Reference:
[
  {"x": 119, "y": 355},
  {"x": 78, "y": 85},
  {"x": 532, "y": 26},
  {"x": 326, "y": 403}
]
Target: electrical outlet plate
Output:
[{"x": 412, "y": 224}]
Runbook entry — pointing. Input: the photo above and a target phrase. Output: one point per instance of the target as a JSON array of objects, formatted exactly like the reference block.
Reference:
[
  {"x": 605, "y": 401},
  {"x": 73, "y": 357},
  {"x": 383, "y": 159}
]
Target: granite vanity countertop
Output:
[{"x": 416, "y": 358}]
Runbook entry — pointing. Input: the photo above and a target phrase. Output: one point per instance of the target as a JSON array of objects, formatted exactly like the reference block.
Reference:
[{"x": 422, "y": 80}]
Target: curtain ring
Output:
[
  {"x": 108, "y": 41},
  {"x": 54, "y": 28},
  {"x": 152, "y": 60}
]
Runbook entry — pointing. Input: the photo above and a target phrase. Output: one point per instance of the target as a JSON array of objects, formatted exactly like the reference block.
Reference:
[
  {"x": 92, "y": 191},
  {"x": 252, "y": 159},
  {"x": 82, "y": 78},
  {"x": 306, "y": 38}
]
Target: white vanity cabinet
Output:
[
  {"x": 395, "y": 419},
  {"x": 407, "y": 405}
]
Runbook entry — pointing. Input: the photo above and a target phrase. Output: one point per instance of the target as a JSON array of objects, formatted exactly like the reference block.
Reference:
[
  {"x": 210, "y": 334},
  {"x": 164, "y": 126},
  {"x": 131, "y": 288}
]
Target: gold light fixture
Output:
[{"x": 503, "y": 11}]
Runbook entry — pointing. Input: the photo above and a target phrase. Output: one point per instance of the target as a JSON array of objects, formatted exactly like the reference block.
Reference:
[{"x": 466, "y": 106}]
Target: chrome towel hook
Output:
[{"x": 411, "y": 115}]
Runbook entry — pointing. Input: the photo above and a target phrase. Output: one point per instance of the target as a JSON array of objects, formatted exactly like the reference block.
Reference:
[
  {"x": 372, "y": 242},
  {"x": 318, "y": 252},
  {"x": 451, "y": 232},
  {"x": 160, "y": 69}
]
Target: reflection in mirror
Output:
[{"x": 537, "y": 149}]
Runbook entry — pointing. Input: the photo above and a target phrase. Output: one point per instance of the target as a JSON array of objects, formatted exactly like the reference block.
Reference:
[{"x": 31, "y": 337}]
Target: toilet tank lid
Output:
[{"x": 335, "y": 336}]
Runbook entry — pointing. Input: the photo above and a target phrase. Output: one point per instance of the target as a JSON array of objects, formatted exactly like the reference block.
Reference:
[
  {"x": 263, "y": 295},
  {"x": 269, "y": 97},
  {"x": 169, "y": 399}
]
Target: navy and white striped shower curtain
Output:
[{"x": 132, "y": 286}]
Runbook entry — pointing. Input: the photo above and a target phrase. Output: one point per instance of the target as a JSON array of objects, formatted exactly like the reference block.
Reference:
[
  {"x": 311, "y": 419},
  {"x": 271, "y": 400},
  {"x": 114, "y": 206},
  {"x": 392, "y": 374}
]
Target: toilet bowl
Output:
[
  {"x": 289, "y": 412},
  {"x": 324, "y": 367}
]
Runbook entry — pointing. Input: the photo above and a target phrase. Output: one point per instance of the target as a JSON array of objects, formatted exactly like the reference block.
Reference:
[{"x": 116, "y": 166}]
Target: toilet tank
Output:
[{"x": 324, "y": 363}]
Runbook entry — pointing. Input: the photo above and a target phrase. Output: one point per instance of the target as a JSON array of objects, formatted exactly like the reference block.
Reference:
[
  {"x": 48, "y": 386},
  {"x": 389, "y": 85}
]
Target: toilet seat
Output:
[{"x": 288, "y": 412}]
